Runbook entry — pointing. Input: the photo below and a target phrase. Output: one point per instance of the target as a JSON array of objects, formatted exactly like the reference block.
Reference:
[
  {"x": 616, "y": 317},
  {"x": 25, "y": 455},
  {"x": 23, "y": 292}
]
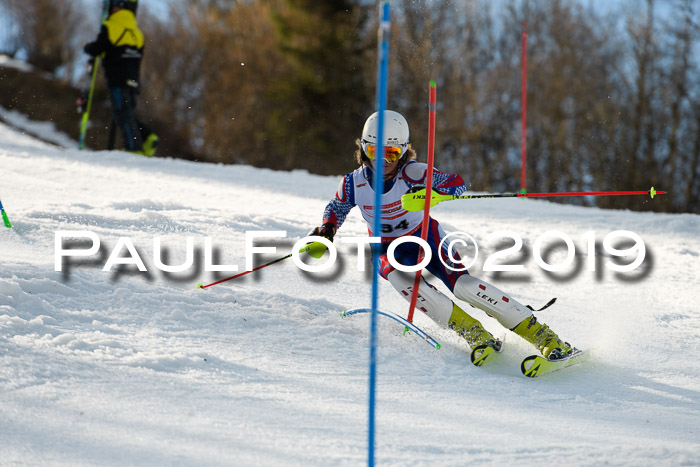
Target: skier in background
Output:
[
  {"x": 120, "y": 42},
  {"x": 403, "y": 174}
]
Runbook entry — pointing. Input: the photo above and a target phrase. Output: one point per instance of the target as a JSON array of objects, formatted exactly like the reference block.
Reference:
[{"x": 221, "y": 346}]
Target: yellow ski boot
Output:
[
  {"x": 150, "y": 145},
  {"x": 482, "y": 342},
  {"x": 543, "y": 338}
]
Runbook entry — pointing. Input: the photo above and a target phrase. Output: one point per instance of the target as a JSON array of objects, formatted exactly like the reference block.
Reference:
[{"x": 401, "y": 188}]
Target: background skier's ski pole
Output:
[
  {"x": 95, "y": 63},
  {"x": 315, "y": 249},
  {"x": 86, "y": 114},
  {"x": 416, "y": 201},
  {"x": 5, "y": 219}
]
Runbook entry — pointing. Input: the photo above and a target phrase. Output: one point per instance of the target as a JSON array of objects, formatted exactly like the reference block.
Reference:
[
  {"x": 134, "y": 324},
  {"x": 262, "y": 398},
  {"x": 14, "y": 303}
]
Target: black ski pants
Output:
[{"x": 123, "y": 105}]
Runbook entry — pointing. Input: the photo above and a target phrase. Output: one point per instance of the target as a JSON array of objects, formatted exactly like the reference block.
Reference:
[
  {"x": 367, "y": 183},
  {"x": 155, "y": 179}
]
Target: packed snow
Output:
[{"x": 130, "y": 367}]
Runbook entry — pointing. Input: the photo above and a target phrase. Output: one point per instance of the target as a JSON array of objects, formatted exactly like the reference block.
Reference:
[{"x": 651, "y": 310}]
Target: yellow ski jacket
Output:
[{"x": 120, "y": 42}]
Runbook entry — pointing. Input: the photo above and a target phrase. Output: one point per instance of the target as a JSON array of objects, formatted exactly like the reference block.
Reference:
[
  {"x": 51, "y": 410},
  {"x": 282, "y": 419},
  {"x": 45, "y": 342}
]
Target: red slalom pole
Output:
[
  {"x": 523, "y": 146},
  {"x": 428, "y": 191}
]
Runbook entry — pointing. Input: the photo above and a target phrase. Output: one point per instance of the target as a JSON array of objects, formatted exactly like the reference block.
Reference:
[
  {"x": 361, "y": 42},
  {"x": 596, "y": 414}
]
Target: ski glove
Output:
[{"x": 327, "y": 230}]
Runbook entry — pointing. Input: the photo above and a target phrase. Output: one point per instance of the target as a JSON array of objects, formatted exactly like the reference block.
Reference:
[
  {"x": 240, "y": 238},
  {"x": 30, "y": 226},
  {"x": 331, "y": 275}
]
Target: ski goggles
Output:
[{"x": 391, "y": 153}]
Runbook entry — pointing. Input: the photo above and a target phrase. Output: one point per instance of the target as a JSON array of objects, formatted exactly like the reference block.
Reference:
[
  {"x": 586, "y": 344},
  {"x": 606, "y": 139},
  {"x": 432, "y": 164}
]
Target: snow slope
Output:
[{"x": 133, "y": 368}]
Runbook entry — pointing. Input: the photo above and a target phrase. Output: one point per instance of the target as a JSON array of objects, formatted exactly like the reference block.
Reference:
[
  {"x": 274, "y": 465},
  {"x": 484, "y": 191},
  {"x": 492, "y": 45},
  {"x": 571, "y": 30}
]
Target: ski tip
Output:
[
  {"x": 537, "y": 365},
  {"x": 528, "y": 367},
  {"x": 481, "y": 353}
]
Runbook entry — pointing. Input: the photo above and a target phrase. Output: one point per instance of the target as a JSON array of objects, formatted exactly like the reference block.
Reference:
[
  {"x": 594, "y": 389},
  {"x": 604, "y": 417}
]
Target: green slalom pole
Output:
[{"x": 5, "y": 219}]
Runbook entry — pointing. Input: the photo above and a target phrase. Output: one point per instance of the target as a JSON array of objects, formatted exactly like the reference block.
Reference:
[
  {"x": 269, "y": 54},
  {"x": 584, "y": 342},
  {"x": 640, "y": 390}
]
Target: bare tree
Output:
[
  {"x": 49, "y": 31},
  {"x": 681, "y": 98},
  {"x": 10, "y": 33},
  {"x": 453, "y": 42},
  {"x": 208, "y": 72}
]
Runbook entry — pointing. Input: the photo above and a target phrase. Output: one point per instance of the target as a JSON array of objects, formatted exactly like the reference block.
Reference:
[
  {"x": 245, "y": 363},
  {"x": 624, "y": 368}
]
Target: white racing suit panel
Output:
[
  {"x": 496, "y": 303},
  {"x": 430, "y": 300}
]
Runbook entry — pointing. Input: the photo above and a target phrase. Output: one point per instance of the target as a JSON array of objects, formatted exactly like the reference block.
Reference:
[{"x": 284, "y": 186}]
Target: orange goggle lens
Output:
[{"x": 391, "y": 153}]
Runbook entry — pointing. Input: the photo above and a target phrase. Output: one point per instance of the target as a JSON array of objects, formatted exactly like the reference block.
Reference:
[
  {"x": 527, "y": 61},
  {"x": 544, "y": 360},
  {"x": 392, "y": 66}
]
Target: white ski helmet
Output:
[{"x": 395, "y": 129}]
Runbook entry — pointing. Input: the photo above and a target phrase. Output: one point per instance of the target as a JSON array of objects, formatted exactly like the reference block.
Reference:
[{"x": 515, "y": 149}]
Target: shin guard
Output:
[
  {"x": 496, "y": 303},
  {"x": 430, "y": 301}
]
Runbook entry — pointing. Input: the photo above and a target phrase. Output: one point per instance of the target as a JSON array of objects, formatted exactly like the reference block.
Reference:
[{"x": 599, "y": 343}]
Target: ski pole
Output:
[
  {"x": 95, "y": 63},
  {"x": 86, "y": 114},
  {"x": 416, "y": 201},
  {"x": 432, "y": 98},
  {"x": 315, "y": 249},
  {"x": 5, "y": 219}
]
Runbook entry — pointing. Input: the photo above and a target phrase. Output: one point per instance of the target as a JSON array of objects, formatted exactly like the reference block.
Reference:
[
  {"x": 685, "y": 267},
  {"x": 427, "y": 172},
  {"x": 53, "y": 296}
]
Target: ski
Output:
[
  {"x": 536, "y": 365},
  {"x": 485, "y": 353},
  {"x": 482, "y": 354}
]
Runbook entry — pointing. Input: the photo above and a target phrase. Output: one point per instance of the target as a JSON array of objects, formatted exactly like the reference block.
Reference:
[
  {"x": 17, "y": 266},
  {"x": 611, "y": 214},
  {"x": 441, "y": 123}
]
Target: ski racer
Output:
[{"x": 402, "y": 174}]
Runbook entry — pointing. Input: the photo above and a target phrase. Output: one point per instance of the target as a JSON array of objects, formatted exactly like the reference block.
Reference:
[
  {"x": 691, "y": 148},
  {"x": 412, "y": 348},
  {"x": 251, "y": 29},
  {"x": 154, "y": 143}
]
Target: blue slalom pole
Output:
[{"x": 382, "y": 79}]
